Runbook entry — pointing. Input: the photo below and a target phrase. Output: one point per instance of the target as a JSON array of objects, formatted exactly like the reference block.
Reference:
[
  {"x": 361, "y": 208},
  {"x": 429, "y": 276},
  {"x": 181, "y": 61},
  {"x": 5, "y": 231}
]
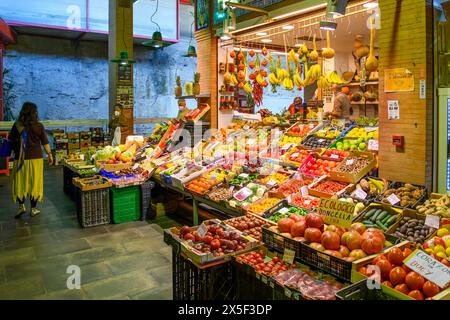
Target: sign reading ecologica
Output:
[
  {"x": 337, "y": 212},
  {"x": 428, "y": 267}
]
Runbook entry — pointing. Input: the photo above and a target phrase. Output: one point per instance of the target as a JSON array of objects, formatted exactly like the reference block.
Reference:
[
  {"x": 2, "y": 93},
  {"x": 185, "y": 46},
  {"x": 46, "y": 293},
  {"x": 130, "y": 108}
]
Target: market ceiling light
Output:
[
  {"x": 288, "y": 27},
  {"x": 225, "y": 37},
  {"x": 336, "y": 8},
  {"x": 266, "y": 40},
  {"x": 123, "y": 60},
  {"x": 328, "y": 25},
  {"x": 304, "y": 10},
  {"x": 157, "y": 40},
  {"x": 261, "y": 34},
  {"x": 370, "y": 5},
  {"x": 298, "y": 45}
]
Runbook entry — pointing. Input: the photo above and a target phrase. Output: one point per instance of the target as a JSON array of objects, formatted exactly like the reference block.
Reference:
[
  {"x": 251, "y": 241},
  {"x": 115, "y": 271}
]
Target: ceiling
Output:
[{"x": 355, "y": 22}]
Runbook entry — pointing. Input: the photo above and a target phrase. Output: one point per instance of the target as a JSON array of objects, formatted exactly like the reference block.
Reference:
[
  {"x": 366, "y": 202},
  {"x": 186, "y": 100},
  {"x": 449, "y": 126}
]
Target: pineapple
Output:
[
  {"x": 178, "y": 89},
  {"x": 196, "y": 88}
]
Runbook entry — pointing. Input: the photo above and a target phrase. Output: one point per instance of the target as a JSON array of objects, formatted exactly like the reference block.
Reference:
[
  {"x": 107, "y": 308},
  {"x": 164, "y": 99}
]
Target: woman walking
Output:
[{"x": 27, "y": 135}]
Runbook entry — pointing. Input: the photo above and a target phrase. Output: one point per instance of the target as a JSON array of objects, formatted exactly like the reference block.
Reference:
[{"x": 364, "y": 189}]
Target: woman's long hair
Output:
[{"x": 28, "y": 115}]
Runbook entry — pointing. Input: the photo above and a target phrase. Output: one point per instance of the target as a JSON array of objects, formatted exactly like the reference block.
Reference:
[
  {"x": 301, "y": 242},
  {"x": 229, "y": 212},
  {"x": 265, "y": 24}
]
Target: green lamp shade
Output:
[
  {"x": 123, "y": 58},
  {"x": 191, "y": 52},
  {"x": 156, "y": 41}
]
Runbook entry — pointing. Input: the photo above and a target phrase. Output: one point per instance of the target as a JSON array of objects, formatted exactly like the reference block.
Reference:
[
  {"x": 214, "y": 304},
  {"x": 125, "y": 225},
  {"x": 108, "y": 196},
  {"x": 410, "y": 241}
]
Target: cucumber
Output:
[
  {"x": 386, "y": 218},
  {"x": 391, "y": 221},
  {"x": 375, "y": 215},
  {"x": 368, "y": 223},
  {"x": 381, "y": 226},
  {"x": 369, "y": 213},
  {"x": 381, "y": 215}
]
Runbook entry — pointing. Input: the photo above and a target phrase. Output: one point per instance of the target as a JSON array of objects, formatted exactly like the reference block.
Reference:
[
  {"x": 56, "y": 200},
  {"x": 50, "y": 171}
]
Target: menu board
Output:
[{"x": 124, "y": 73}]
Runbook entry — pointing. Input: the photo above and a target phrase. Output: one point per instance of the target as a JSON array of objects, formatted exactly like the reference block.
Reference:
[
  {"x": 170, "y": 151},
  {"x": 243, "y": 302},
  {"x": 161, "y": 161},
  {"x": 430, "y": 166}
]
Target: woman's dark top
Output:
[{"x": 36, "y": 137}]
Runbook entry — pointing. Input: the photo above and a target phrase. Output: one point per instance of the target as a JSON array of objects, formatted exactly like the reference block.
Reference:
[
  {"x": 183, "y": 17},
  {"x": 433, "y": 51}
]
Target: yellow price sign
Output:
[{"x": 336, "y": 212}]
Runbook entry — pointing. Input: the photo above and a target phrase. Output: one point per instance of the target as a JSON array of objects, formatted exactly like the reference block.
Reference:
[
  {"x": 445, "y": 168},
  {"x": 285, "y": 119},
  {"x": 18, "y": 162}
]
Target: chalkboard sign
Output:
[{"x": 124, "y": 72}]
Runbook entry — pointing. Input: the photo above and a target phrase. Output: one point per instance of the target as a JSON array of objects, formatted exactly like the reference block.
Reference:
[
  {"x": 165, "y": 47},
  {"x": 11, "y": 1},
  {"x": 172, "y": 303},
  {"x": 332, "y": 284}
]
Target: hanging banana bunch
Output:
[
  {"x": 281, "y": 73},
  {"x": 273, "y": 79},
  {"x": 293, "y": 57},
  {"x": 335, "y": 78},
  {"x": 322, "y": 83},
  {"x": 288, "y": 84},
  {"x": 259, "y": 77},
  {"x": 297, "y": 79}
]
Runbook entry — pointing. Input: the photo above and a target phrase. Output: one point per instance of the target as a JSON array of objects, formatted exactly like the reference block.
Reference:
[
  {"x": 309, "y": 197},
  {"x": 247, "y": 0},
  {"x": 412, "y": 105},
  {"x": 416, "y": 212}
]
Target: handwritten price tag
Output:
[
  {"x": 202, "y": 230},
  {"x": 307, "y": 202},
  {"x": 334, "y": 156},
  {"x": 433, "y": 221},
  {"x": 283, "y": 210},
  {"x": 349, "y": 162},
  {"x": 304, "y": 191},
  {"x": 136, "y": 165},
  {"x": 360, "y": 193},
  {"x": 428, "y": 267},
  {"x": 289, "y": 256},
  {"x": 271, "y": 182},
  {"x": 295, "y": 155},
  {"x": 243, "y": 175},
  {"x": 373, "y": 145},
  {"x": 393, "y": 199}
]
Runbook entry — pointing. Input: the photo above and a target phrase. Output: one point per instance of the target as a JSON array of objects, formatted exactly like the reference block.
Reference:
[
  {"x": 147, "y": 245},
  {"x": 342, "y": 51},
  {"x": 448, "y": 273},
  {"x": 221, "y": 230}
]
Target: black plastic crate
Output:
[
  {"x": 360, "y": 291},
  {"x": 249, "y": 285},
  {"x": 93, "y": 207},
  {"x": 68, "y": 186},
  {"x": 146, "y": 198},
  {"x": 278, "y": 242},
  {"x": 193, "y": 283}
]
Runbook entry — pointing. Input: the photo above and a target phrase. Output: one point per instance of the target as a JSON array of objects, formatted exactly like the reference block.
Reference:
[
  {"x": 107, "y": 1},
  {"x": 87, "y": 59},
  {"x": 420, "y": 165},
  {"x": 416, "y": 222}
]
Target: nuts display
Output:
[
  {"x": 438, "y": 207},
  {"x": 408, "y": 194},
  {"x": 352, "y": 165},
  {"x": 221, "y": 193}
]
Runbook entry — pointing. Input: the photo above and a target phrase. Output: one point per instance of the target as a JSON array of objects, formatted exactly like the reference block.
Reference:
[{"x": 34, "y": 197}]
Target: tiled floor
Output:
[{"x": 125, "y": 261}]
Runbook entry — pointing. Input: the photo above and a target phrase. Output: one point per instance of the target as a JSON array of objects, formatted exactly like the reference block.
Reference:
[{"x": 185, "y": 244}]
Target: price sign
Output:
[
  {"x": 283, "y": 210},
  {"x": 231, "y": 188},
  {"x": 304, "y": 191},
  {"x": 337, "y": 212},
  {"x": 136, "y": 165},
  {"x": 307, "y": 202},
  {"x": 289, "y": 198},
  {"x": 246, "y": 127},
  {"x": 349, "y": 162},
  {"x": 264, "y": 279},
  {"x": 289, "y": 256},
  {"x": 428, "y": 267},
  {"x": 287, "y": 292},
  {"x": 393, "y": 199},
  {"x": 334, "y": 156},
  {"x": 271, "y": 182},
  {"x": 202, "y": 230},
  {"x": 286, "y": 146},
  {"x": 373, "y": 145},
  {"x": 295, "y": 155},
  {"x": 243, "y": 175},
  {"x": 360, "y": 193},
  {"x": 433, "y": 221},
  {"x": 320, "y": 140}
]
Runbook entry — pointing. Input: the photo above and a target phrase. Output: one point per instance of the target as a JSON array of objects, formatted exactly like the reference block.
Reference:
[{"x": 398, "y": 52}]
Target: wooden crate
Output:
[{"x": 353, "y": 178}]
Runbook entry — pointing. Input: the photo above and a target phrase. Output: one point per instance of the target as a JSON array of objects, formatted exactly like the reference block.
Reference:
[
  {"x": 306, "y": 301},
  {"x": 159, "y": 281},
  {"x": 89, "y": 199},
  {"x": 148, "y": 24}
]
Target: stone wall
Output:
[{"x": 69, "y": 80}]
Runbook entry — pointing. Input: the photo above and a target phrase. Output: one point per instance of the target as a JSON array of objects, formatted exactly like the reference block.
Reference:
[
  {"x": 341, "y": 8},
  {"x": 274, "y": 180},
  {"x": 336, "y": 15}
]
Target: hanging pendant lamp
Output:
[
  {"x": 123, "y": 60},
  {"x": 191, "y": 52},
  {"x": 157, "y": 40}
]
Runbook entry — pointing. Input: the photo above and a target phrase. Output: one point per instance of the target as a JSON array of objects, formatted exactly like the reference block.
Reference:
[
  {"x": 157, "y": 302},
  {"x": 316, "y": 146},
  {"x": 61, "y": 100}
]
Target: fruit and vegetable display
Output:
[
  {"x": 439, "y": 246},
  {"x": 439, "y": 205},
  {"x": 292, "y": 186},
  {"x": 275, "y": 178},
  {"x": 316, "y": 166},
  {"x": 352, "y": 165},
  {"x": 371, "y": 186},
  {"x": 367, "y": 122},
  {"x": 413, "y": 230},
  {"x": 310, "y": 285},
  {"x": 301, "y": 130},
  {"x": 395, "y": 274},
  {"x": 379, "y": 218},
  {"x": 328, "y": 133},
  {"x": 297, "y": 155},
  {"x": 406, "y": 195},
  {"x": 313, "y": 142},
  {"x": 263, "y": 264},
  {"x": 328, "y": 187},
  {"x": 218, "y": 239},
  {"x": 335, "y": 154},
  {"x": 247, "y": 195},
  {"x": 306, "y": 202},
  {"x": 359, "y": 206},
  {"x": 352, "y": 144},
  {"x": 199, "y": 185},
  {"x": 285, "y": 212},
  {"x": 262, "y": 206},
  {"x": 294, "y": 140},
  {"x": 248, "y": 224},
  {"x": 220, "y": 193},
  {"x": 242, "y": 179}
]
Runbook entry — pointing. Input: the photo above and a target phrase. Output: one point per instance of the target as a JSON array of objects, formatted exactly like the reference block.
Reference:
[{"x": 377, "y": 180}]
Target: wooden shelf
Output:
[
  {"x": 357, "y": 84},
  {"x": 200, "y": 96},
  {"x": 364, "y": 103}
]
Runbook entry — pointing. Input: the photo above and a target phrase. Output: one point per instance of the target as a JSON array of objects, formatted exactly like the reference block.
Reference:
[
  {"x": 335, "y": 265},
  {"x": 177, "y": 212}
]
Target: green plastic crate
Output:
[{"x": 125, "y": 204}]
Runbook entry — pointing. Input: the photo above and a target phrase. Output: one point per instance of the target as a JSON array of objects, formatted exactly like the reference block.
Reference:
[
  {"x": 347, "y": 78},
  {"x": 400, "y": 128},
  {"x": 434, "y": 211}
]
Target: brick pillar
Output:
[
  {"x": 120, "y": 39},
  {"x": 207, "y": 66},
  {"x": 404, "y": 41}
]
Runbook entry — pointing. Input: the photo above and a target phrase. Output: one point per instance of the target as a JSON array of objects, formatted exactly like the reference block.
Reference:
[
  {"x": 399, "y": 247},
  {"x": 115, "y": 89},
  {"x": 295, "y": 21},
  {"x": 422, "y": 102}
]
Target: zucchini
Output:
[
  {"x": 381, "y": 226},
  {"x": 386, "y": 218},
  {"x": 375, "y": 215},
  {"x": 369, "y": 213},
  {"x": 381, "y": 215},
  {"x": 391, "y": 220},
  {"x": 368, "y": 223}
]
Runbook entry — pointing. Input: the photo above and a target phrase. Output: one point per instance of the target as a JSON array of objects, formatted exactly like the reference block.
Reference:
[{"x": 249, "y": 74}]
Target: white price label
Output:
[
  {"x": 320, "y": 140},
  {"x": 295, "y": 155},
  {"x": 373, "y": 145},
  {"x": 283, "y": 210},
  {"x": 433, "y": 221},
  {"x": 289, "y": 256},
  {"x": 334, "y": 156},
  {"x": 393, "y": 199},
  {"x": 370, "y": 129},
  {"x": 246, "y": 127},
  {"x": 286, "y": 146},
  {"x": 289, "y": 198},
  {"x": 231, "y": 188},
  {"x": 428, "y": 267},
  {"x": 243, "y": 175},
  {"x": 360, "y": 193},
  {"x": 271, "y": 182},
  {"x": 304, "y": 191},
  {"x": 349, "y": 162},
  {"x": 202, "y": 230},
  {"x": 264, "y": 279},
  {"x": 307, "y": 202},
  {"x": 136, "y": 165}
]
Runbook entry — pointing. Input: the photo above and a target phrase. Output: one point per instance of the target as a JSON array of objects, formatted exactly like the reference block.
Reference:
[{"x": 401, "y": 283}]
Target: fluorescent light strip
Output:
[
  {"x": 304, "y": 10},
  {"x": 259, "y": 51},
  {"x": 371, "y": 5},
  {"x": 288, "y": 27},
  {"x": 266, "y": 40},
  {"x": 261, "y": 34}
]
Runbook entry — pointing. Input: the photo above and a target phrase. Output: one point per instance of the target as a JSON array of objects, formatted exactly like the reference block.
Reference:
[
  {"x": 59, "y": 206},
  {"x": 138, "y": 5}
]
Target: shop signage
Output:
[
  {"x": 393, "y": 110},
  {"x": 398, "y": 80},
  {"x": 373, "y": 145},
  {"x": 201, "y": 14},
  {"x": 337, "y": 212},
  {"x": 124, "y": 73},
  {"x": 428, "y": 267}
]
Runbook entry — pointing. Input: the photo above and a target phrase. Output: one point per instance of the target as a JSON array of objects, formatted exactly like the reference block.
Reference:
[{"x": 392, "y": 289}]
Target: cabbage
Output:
[{"x": 106, "y": 153}]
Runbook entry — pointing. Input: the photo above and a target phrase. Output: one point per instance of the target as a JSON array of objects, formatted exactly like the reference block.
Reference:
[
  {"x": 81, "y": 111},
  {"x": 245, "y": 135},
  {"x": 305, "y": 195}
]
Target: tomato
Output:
[
  {"x": 397, "y": 276},
  {"x": 267, "y": 269},
  {"x": 215, "y": 244},
  {"x": 379, "y": 257},
  {"x": 403, "y": 288},
  {"x": 363, "y": 270},
  {"x": 387, "y": 284},
  {"x": 385, "y": 268},
  {"x": 275, "y": 259},
  {"x": 406, "y": 252},
  {"x": 430, "y": 289},
  {"x": 416, "y": 294},
  {"x": 395, "y": 256},
  {"x": 414, "y": 281}
]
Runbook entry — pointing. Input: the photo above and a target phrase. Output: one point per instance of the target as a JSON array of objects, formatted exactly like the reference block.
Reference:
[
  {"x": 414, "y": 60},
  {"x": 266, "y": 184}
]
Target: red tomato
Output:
[
  {"x": 430, "y": 289},
  {"x": 395, "y": 256},
  {"x": 387, "y": 284},
  {"x": 397, "y": 276},
  {"x": 385, "y": 268},
  {"x": 403, "y": 288},
  {"x": 414, "y": 281},
  {"x": 416, "y": 294},
  {"x": 379, "y": 257}
]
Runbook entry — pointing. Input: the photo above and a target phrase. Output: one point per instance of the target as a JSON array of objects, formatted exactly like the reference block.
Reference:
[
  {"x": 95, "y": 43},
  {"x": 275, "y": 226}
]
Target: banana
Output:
[
  {"x": 322, "y": 83},
  {"x": 298, "y": 80},
  {"x": 282, "y": 74},
  {"x": 273, "y": 79},
  {"x": 259, "y": 79},
  {"x": 272, "y": 64},
  {"x": 234, "y": 79},
  {"x": 288, "y": 84},
  {"x": 292, "y": 56},
  {"x": 247, "y": 88}
]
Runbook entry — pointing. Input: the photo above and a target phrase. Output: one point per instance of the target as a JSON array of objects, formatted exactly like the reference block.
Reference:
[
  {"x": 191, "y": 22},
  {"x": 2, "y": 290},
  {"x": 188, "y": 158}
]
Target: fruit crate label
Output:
[
  {"x": 271, "y": 182},
  {"x": 231, "y": 188},
  {"x": 295, "y": 155},
  {"x": 360, "y": 193},
  {"x": 136, "y": 165},
  {"x": 337, "y": 212},
  {"x": 307, "y": 202},
  {"x": 433, "y": 221},
  {"x": 283, "y": 210},
  {"x": 264, "y": 279},
  {"x": 287, "y": 292},
  {"x": 289, "y": 256},
  {"x": 202, "y": 230},
  {"x": 334, "y": 156},
  {"x": 320, "y": 140},
  {"x": 287, "y": 146},
  {"x": 373, "y": 145},
  {"x": 289, "y": 198},
  {"x": 304, "y": 191},
  {"x": 428, "y": 267},
  {"x": 243, "y": 194},
  {"x": 370, "y": 129},
  {"x": 349, "y": 162},
  {"x": 393, "y": 199}
]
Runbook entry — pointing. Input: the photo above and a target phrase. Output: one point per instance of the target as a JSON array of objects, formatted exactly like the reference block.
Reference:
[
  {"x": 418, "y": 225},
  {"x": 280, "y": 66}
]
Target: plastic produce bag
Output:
[{"x": 117, "y": 137}]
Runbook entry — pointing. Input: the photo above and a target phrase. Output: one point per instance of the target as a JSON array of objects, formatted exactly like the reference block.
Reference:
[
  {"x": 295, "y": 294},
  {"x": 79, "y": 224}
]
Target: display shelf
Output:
[
  {"x": 368, "y": 83},
  {"x": 199, "y": 96}
]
